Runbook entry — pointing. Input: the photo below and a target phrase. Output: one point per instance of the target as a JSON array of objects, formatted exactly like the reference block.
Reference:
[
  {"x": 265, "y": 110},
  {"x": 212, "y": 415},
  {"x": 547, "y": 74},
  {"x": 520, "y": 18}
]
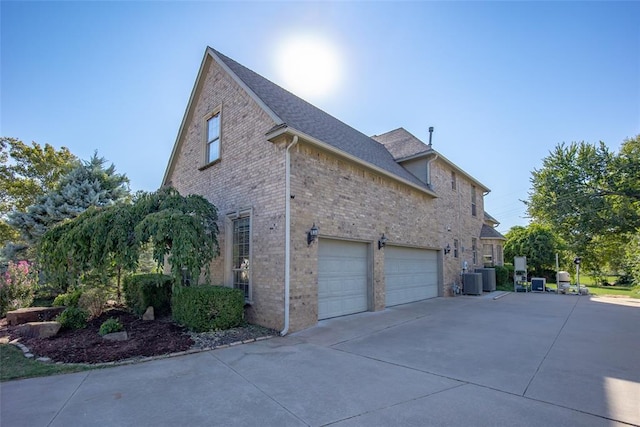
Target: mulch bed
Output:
[{"x": 146, "y": 338}]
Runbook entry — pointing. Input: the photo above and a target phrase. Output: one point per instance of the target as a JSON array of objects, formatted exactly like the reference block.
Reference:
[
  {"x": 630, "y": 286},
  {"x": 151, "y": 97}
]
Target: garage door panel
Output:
[
  {"x": 410, "y": 274},
  {"x": 342, "y": 278}
]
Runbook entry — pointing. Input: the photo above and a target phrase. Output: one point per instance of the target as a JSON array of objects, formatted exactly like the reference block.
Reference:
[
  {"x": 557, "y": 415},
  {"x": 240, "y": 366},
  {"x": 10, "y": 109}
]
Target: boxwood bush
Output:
[
  {"x": 73, "y": 318},
  {"x": 68, "y": 299},
  {"x": 208, "y": 308},
  {"x": 110, "y": 326},
  {"x": 144, "y": 290}
]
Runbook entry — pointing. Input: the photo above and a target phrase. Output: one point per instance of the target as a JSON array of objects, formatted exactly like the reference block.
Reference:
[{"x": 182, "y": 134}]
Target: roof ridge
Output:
[
  {"x": 226, "y": 59},
  {"x": 305, "y": 117}
]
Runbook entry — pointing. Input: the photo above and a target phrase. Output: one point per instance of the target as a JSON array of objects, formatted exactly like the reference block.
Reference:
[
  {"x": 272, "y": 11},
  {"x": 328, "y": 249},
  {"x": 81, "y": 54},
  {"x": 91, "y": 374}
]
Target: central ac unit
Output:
[
  {"x": 488, "y": 278},
  {"x": 472, "y": 283}
]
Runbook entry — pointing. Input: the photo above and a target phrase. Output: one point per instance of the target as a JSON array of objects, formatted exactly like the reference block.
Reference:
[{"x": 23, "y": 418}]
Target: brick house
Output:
[{"x": 395, "y": 220}]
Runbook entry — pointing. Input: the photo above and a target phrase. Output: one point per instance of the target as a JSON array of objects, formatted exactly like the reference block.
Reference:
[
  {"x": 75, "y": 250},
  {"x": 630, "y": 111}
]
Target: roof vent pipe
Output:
[{"x": 430, "y": 135}]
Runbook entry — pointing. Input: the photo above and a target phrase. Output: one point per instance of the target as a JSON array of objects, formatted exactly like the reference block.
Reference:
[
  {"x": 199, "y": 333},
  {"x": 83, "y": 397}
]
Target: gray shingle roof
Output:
[
  {"x": 402, "y": 144},
  {"x": 304, "y": 117},
  {"x": 489, "y": 232}
]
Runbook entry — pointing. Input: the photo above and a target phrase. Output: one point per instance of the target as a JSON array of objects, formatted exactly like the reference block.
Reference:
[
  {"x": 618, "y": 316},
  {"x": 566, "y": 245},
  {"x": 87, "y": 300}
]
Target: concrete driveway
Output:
[{"x": 521, "y": 360}]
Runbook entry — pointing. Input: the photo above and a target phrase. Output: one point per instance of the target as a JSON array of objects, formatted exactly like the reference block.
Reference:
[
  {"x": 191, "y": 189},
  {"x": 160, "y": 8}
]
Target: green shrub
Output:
[
  {"x": 110, "y": 326},
  {"x": 502, "y": 275},
  {"x": 144, "y": 290},
  {"x": 93, "y": 301},
  {"x": 73, "y": 318},
  {"x": 207, "y": 308},
  {"x": 69, "y": 299}
]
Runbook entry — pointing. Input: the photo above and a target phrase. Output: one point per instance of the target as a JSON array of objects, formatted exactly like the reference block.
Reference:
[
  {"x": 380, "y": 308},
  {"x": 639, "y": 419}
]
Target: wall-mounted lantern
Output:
[
  {"x": 312, "y": 234},
  {"x": 447, "y": 249},
  {"x": 382, "y": 242}
]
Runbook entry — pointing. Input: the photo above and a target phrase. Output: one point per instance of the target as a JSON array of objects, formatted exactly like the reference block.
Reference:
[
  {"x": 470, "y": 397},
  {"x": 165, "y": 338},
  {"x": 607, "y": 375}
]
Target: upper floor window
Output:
[
  {"x": 473, "y": 200},
  {"x": 213, "y": 138},
  {"x": 454, "y": 180},
  {"x": 455, "y": 248}
]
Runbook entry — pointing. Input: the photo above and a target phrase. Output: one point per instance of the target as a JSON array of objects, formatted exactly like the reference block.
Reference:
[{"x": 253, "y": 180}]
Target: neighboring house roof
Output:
[
  {"x": 403, "y": 145},
  {"x": 300, "y": 115},
  {"x": 488, "y": 232}
]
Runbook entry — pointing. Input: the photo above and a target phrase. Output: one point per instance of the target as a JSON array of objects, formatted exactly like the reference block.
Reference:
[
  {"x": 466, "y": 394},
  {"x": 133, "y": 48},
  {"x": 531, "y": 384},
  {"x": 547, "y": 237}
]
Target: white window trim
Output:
[
  {"x": 205, "y": 136},
  {"x": 228, "y": 249}
]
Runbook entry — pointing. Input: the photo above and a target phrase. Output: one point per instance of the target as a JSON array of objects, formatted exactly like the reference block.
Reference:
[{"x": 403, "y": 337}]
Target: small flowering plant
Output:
[{"x": 17, "y": 286}]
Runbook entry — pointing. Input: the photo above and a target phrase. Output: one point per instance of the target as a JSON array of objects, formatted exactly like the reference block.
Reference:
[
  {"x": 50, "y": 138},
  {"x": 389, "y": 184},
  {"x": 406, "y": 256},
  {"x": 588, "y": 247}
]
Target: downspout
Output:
[
  {"x": 429, "y": 169},
  {"x": 287, "y": 233}
]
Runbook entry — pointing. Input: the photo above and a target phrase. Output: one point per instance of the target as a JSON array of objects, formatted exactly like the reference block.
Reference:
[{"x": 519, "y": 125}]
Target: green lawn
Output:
[
  {"x": 589, "y": 282},
  {"x": 13, "y": 365},
  {"x": 626, "y": 291}
]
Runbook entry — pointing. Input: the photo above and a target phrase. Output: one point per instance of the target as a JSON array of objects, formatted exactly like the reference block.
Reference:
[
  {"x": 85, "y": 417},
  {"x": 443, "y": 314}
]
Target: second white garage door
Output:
[
  {"x": 410, "y": 274},
  {"x": 342, "y": 278}
]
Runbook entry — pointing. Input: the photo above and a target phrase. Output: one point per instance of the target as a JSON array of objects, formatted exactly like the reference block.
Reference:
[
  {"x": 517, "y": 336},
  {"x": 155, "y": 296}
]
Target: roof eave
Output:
[
  {"x": 327, "y": 147},
  {"x": 210, "y": 53},
  {"x": 187, "y": 113},
  {"x": 431, "y": 152}
]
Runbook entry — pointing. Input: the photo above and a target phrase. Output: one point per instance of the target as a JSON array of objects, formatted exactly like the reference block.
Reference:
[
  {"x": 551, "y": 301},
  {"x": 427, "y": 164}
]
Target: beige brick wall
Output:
[
  {"x": 347, "y": 201},
  {"x": 344, "y": 200},
  {"x": 454, "y": 220},
  {"x": 250, "y": 174}
]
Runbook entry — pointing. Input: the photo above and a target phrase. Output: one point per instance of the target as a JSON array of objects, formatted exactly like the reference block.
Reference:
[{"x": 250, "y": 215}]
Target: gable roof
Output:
[
  {"x": 404, "y": 146},
  {"x": 488, "y": 232},
  {"x": 300, "y": 115},
  {"x": 293, "y": 115}
]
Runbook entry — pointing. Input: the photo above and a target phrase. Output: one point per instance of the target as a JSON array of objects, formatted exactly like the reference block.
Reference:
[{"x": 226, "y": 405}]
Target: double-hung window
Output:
[
  {"x": 487, "y": 254},
  {"x": 473, "y": 200},
  {"x": 213, "y": 138}
]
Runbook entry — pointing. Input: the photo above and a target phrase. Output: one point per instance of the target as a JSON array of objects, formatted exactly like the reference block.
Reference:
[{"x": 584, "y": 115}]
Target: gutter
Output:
[
  {"x": 326, "y": 147},
  {"x": 287, "y": 233}
]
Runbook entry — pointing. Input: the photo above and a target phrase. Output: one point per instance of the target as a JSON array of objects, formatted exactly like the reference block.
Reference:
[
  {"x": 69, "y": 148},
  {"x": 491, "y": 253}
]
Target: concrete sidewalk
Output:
[{"x": 524, "y": 359}]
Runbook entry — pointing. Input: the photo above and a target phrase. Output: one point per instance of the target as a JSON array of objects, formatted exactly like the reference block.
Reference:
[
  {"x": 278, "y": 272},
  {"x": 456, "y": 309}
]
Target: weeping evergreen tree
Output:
[
  {"x": 88, "y": 184},
  {"x": 110, "y": 239}
]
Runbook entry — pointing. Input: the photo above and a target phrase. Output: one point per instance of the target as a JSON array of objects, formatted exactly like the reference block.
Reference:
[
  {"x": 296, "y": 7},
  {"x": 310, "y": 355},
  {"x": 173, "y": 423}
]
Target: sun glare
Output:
[{"x": 309, "y": 66}]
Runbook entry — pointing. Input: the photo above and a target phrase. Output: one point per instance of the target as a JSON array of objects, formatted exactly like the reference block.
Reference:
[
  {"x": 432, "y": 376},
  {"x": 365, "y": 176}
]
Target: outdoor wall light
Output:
[
  {"x": 382, "y": 242},
  {"x": 312, "y": 234},
  {"x": 447, "y": 249}
]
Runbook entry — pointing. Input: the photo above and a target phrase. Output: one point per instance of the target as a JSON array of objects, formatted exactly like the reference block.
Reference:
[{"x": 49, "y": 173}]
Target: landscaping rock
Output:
[
  {"x": 38, "y": 329},
  {"x": 116, "y": 336},
  {"x": 33, "y": 314},
  {"x": 148, "y": 315}
]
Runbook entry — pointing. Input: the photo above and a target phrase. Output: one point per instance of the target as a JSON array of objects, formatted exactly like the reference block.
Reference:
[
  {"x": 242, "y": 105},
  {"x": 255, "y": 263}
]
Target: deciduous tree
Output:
[
  {"x": 535, "y": 241},
  {"x": 27, "y": 172},
  {"x": 590, "y": 197}
]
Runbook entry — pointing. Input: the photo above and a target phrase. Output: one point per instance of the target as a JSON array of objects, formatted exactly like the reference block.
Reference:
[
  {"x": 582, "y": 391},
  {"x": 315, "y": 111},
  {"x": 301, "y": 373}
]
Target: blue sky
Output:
[{"x": 501, "y": 82}]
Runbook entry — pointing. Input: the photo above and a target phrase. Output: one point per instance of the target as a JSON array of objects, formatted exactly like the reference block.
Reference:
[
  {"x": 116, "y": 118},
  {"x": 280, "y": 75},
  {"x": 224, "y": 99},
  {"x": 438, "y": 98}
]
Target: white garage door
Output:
[
  {"x": 342, "y": 278},
  {"x": 410, "y": 274}
]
